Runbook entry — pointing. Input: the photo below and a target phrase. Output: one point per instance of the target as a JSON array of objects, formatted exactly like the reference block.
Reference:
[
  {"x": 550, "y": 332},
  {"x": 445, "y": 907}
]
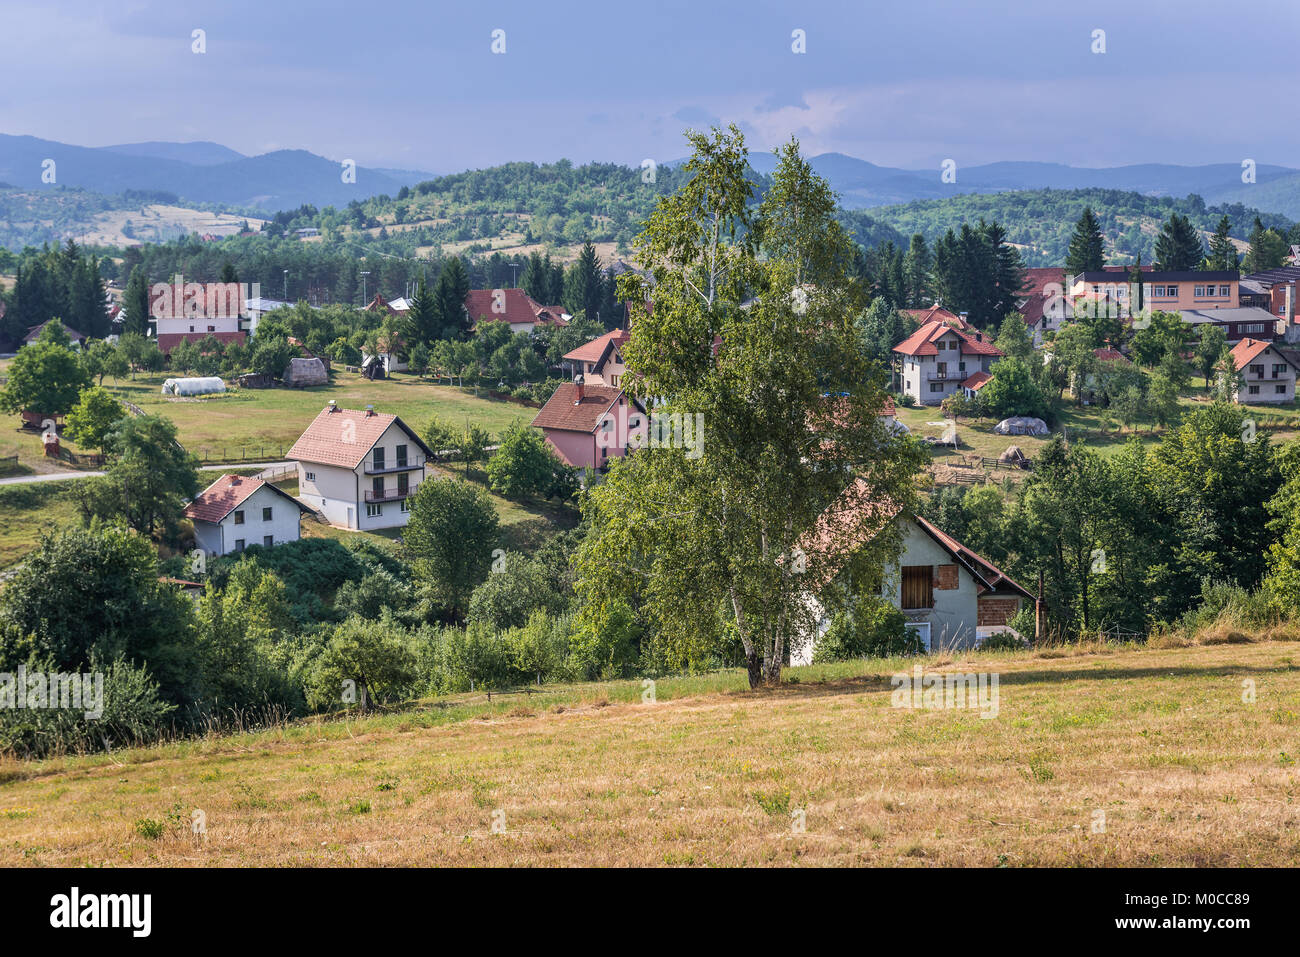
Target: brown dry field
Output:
[{"x": 1160, "y": 741}]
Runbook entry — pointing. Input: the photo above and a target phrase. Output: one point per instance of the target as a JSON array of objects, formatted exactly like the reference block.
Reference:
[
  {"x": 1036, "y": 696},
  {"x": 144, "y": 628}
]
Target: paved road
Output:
[{"x": 65, "y": 476}]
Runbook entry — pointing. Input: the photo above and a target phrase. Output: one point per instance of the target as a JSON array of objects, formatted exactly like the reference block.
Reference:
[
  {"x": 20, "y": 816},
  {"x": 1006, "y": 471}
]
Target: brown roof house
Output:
[
  {"x": 359, "y": 468},
  {"x": 586, "y": 425},
  {"x": 951, "y": 597},
  {"x": 237, "y": 511}
]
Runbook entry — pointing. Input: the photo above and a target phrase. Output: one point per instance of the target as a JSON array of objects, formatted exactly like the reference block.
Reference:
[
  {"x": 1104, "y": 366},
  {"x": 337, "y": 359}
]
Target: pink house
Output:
[{"x": 586, "y": 425}]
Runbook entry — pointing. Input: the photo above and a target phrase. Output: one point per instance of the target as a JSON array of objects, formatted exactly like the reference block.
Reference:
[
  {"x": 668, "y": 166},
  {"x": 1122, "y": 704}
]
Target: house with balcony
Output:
[
  {"x": 1266, "y": 374},
  {"x": 360, "y": 469},
  {"x": 937, "y": 360},
  {"x": 236, "y": 511}
]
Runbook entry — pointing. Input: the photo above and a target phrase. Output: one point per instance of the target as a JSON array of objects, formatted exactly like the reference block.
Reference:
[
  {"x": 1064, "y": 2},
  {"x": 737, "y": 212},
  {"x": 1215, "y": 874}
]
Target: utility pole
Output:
[
  {"x": 363, "y": 288},
  {"x": 286, "y": 285}
]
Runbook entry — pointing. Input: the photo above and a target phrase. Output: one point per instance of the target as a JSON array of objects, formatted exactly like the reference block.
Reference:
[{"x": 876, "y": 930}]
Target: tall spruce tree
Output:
[
  {"x": 1178, "y": 247},
  {"x": 916, "y": 271},
  {"x": 1087, "y": 246},
  {"x": 1223, "y": 254}
]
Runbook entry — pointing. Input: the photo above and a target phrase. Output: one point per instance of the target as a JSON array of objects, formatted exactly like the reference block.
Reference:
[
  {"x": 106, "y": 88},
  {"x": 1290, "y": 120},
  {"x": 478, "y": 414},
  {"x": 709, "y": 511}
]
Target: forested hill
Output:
[{"x": 1041, "y": 221}]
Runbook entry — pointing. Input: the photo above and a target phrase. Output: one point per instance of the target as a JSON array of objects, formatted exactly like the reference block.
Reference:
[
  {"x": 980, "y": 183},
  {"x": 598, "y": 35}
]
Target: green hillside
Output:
[{"x": 1041, "y": 221}]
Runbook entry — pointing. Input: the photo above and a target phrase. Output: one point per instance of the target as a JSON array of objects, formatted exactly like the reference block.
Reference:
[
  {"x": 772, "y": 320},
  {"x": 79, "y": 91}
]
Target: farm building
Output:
[
  {"x": 196, "y": 385},
  {"x": 305, "y": 372}
]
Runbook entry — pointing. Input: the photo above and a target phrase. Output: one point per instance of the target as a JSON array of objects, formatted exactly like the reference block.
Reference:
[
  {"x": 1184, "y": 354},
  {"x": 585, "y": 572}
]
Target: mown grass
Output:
[
  {"x": 1097, "y": 756},
  {"x": 27, "y": 512},
  {"x": 265, "y": 422}
]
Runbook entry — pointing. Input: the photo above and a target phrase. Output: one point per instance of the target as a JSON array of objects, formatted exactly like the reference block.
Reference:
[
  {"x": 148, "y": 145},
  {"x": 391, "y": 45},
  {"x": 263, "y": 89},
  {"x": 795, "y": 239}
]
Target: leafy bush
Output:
[
  {"x": 873, "y": 628},
  {"x": 1002, "y": 641}
]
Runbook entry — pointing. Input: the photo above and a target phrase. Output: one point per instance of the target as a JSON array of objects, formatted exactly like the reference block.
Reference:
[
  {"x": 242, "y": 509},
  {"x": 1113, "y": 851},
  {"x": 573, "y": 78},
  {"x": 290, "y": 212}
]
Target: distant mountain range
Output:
[
  {"x": 199, "y": 172},
  {"x": 206, "y": 172},
  {"x": 863, "y": 185}
]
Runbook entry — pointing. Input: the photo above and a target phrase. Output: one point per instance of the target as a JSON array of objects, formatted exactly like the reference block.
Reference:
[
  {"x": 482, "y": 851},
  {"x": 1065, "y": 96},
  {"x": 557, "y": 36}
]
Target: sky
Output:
[{"x": 416, "y": 85}]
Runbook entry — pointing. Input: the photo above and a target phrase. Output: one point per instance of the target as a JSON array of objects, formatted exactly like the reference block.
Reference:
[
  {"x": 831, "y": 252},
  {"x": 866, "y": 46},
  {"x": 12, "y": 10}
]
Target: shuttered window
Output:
[{"x": 918, "y": 586}]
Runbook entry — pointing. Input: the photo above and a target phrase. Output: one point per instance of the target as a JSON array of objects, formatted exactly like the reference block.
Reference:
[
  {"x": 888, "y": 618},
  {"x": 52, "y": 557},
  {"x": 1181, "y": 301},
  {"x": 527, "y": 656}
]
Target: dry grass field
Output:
[{"x": 1108, "y": 757}]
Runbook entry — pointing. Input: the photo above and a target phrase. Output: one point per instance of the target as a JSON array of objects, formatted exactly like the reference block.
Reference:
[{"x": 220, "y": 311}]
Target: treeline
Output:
[
  {"x": 56, "y": 282},
  {"x": 1145, "y": 539},
  {"x": 1042, "y": 221}
]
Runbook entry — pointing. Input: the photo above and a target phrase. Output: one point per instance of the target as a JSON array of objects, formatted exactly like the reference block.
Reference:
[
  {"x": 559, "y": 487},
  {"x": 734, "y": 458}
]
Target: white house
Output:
[
  {"x": 360, "y": 468},
  {"x": 1266, "y": 374},
  {"x": 235, "y": 512},
  {"x": 939, "y": 359},
  {"x": 952, "y": 597}
]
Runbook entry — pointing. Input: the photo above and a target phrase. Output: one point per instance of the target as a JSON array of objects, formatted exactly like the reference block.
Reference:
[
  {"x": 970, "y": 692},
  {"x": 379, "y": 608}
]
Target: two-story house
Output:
[
  {"x": 513, "y": 306},
  {"x": 1266, "y": 375},
  {"x": 359, "y": 468},
  {"x": 237, "y": 511},
  {"x": 1166, "y": 291},
  {"x": 937, "y": 360},
  {"x": 586, "y": 425}
]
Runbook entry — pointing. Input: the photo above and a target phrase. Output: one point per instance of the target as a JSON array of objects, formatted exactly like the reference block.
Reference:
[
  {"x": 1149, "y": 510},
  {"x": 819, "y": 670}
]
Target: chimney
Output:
[
  {"x": 234, "y": 480},
  {"x": 370, "y": 410},
  {"x": 578, "y": 385},
  {"x": 332, "y": 407}
]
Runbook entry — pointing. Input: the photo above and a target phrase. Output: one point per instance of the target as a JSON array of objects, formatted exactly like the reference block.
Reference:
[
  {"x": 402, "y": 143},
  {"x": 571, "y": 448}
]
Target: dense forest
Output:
[{"x": 1041, "y": 221}]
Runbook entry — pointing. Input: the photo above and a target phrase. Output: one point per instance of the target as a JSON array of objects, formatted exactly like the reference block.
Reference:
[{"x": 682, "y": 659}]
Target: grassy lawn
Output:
[
  {"x": 267, "y": 421},
  {"x": 26, "y": 512},
  {"x": 1123, "y": 757}
]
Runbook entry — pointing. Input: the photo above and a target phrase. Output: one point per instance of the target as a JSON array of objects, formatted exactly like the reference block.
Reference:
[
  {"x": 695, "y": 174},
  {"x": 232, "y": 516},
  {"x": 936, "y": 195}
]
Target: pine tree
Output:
[
  {"x": 1178, "y": 247},
  {"x": 1087, "y": 246},
  {"x": 1267, "y": 249},
  {"x": 423, "y": 319},
  {"x": 450, "y": 293},
  {"x": 135, "y": 303},
  {"x": 582, "y": 284},
  {"x": 1223, "y": 254},
  {"x": 916, "y": 270}
]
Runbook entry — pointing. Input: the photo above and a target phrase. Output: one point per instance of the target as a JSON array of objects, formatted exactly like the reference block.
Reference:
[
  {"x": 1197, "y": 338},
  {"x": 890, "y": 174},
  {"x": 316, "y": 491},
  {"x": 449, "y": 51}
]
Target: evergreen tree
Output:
[
  {"x": 916, "y": 271},
  {"x": 1223, "y": 254},
  {"x": 424, "y": 319},
  {"x": 135, "y": 303},
  {"x": 1178, "y": 247},
  {"x": 1268, "y": 249},
  {"x": 450, "y": 293},
  {"x": 582, "y": 284},
  {"x": 1087, "y": 246}
]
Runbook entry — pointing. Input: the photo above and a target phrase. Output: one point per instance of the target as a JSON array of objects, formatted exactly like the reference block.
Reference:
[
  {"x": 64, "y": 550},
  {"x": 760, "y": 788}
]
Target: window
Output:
[
  {"x": 239, "y": 544},
  {"x": 404, "y": 505},
  {"x": 1257, "y": 370},
  {"x": 212, "y": 328},
  {"x": 401, "y": 456},
  {"x": 1254, "y": 390},
  {"x": 379, "y": 458},
  {"x": 1280, "y": 389},
  {"x": 266, "y": 514},
  {"x": 1278, "y": 369},
  {"x": 403, "y": 485},
  {"x": 1225, "y": 290},
  {"x": 310, "y": 476},
  {"x": 1200, "y": 292},
  {"x": 374, "y": 509},
  {"x": 377, "y": 487},
  {"x": 918, "y": 586},
  {"x": 239, "y": 517},
  {"x": 936, "y": 386},
  {"x": 268, "y": 540}
]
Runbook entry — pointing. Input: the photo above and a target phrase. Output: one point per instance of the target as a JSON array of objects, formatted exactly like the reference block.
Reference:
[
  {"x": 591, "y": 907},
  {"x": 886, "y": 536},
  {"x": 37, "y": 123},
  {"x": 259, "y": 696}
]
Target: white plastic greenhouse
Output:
[{"x": 198, "y": 385}]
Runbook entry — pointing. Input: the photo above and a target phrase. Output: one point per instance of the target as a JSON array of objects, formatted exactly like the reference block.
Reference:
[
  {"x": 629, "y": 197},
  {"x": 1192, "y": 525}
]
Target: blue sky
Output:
[{"x": 903, "y": 83}]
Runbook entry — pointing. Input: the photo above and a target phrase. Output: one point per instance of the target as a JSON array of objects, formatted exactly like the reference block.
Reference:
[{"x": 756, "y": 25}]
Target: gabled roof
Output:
[
  {"x": 1248, "y": 350},
  {"x": 515, "y": 306},
  {"x": 594, "y": 351},
  {"x": 977, "y": 381},
  {"x": 1110, "y": 355},
  {"x": 565, "y": 412},
  {"x": 34, "y": 332},
  {"x": 921, "y": 342},
  {"x": 937, "y": 313},
  {"x": 987, "y": 575},
  {"x": 343, "y": 437},
  {"x": 226, "y": 494}
]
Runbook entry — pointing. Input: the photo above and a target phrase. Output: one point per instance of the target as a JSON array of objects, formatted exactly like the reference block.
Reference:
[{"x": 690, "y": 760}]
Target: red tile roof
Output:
[
  {"x": 594, "y": 350},
  {"x": 921, "y": 342},
  {"x": 564, "y": 412},
  {"x": 1037, "y": 279},
  {"x": 1110, "y": 355},
  {"x": 343, "y": 437},
  {"x": 34, "y": 332},
  {"x": 1247, "y": 351},
  {"x": 226, "y": 494},
  {"x": 937, "y": 313},
  {"x": 516, "y": 307},
  {"x": 888, "y": 408},
  {"x": 977, "y": 381},
  {"x": 170, "y": 340}
]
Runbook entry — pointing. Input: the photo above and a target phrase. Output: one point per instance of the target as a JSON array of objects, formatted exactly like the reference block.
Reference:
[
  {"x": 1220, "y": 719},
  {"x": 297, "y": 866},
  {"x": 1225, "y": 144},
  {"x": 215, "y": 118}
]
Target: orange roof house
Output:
[{"x": 236, "y": 511}]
